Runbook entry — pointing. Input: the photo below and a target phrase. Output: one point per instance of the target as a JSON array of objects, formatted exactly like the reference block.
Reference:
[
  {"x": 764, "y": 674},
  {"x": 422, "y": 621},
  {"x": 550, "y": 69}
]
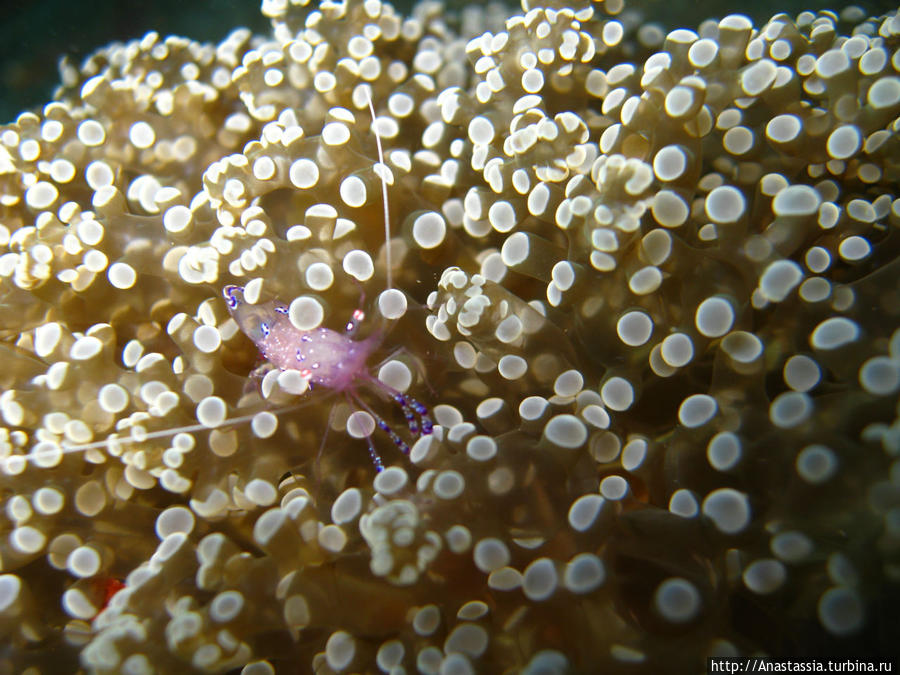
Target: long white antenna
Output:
[
  {"x": 68, "y": 449},
  {"x": 384, "y": 192},
  {"x": 162, "y": 433}
]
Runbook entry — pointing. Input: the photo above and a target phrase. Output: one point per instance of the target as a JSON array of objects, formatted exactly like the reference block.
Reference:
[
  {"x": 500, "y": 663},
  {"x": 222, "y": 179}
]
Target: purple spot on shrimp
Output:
[
  {"x": 228, "y": 292},
  {"x": 281, "y": 309}
]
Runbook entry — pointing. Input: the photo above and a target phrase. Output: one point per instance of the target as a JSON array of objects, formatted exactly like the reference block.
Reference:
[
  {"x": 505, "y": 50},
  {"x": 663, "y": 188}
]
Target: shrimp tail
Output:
[{"x": 254, "y": 320}]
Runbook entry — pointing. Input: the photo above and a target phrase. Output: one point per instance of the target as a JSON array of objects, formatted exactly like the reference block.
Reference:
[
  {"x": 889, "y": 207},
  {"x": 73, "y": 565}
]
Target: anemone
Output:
[{"x": 646, "y": 283}]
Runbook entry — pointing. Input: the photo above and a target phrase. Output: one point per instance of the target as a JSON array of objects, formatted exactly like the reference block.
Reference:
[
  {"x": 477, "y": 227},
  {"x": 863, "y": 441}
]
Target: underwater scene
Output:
[{"x": 561, "y": 337}]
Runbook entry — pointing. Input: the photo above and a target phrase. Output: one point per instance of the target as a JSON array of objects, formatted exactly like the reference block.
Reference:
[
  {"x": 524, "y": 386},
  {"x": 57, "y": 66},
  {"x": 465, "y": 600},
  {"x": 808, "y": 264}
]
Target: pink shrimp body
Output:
[
  {"x": 330, "y": 359},
  {"x": 333, "y": 360},
  {"x": 325, "y": 357}
]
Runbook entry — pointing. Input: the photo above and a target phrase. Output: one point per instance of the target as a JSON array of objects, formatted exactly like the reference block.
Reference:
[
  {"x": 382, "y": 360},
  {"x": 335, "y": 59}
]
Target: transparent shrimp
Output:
[
  {"x": 322, "y": 357},
  {"x": 327, "y": 358}
]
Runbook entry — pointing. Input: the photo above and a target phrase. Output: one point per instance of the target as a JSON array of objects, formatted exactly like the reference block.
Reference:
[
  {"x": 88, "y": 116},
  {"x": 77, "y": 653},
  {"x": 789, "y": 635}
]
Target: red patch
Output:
[{"x": 107, "y": 588}]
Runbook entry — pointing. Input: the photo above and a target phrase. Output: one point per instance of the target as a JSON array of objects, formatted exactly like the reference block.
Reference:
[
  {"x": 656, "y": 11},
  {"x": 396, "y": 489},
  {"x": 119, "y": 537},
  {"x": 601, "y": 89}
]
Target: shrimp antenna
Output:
[
  {"x": 68, "y": 449},
  {"x": 384, "y": 192}
]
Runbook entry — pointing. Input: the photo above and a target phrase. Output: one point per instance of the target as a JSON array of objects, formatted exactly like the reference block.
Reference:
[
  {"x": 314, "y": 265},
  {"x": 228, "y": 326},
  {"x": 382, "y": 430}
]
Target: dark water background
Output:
[{"x": 34, "y": 34}]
